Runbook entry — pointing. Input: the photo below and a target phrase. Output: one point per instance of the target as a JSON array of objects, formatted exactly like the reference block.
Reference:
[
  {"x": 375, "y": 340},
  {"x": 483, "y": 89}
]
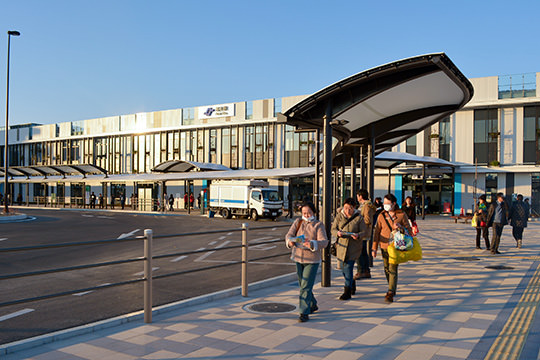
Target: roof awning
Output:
[
  {"x": 185, "y": 166},
  {"x": 53, "y": 170},
  {"x": 389, "y": 160},
  {"x": 389, "y": 103},
  {"x": 281, "y": 173}
]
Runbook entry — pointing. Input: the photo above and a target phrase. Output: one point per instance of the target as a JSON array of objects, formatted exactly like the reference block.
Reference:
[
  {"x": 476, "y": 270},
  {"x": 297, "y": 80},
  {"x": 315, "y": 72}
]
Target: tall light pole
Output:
[{"x": 6, "y": 154}]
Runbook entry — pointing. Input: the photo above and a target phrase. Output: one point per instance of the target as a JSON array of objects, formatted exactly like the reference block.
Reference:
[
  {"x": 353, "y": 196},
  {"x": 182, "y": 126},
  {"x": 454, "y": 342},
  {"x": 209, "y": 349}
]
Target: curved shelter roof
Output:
[
  {"x": 390, "y": 159},
  {"x": 54, "y": 170},
  {"x": 185, "y": 166},
  {"x": 389, "y": 103}
]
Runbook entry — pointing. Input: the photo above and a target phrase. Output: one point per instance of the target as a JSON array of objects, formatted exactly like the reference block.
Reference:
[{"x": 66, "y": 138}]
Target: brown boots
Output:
[{"x": 363, "y": 275}]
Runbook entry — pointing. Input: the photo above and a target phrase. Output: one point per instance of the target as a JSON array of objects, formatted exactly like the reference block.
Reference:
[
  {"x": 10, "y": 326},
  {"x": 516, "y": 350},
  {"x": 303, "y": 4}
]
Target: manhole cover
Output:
[
  {"x": 499, "y": 267},
  {"x": 467, "y": 258},
  {"x": 270, "y": 307}
]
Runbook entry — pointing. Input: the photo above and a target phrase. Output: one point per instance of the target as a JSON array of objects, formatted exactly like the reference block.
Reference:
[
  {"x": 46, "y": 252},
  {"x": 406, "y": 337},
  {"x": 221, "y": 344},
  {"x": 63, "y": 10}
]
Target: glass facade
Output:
[
  {"x": 531, "y": 130},
  {"x": 444, "y": 139},
  {"x": 249, "y": 110},
  {"x": 486, "y": 136}
]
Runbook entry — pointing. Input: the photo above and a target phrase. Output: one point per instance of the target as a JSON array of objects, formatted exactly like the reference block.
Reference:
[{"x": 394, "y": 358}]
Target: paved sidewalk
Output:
[{"x": 448, "y": 306}]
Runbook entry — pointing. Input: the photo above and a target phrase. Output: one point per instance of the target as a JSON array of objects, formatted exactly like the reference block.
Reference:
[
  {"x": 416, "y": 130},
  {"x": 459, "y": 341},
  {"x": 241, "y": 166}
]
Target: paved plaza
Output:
[{"x": 450, "y": 305}]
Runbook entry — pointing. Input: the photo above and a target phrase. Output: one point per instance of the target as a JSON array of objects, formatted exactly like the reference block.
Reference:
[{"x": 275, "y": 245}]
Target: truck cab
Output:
[{"x": 266, "y": 202}]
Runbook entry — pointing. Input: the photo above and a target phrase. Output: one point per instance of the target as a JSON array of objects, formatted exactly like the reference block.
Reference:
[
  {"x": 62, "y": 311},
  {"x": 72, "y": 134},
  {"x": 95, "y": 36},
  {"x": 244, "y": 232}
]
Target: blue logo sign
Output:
[{"x": 209, "y": 111}]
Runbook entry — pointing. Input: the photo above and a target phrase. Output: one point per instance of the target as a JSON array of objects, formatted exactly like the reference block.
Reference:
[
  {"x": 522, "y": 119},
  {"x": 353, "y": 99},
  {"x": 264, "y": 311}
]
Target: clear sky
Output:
[{"x": 79, "y": 60}]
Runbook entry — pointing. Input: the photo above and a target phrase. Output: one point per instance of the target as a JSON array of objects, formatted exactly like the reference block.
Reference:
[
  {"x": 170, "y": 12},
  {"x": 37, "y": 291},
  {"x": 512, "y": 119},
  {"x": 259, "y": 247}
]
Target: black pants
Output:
[
  {"x": 484, "y": 231},
  {"x": 517, "y": 232},
  {"x": 363, "y": 261},
  {"x": 497, "y": 232}
]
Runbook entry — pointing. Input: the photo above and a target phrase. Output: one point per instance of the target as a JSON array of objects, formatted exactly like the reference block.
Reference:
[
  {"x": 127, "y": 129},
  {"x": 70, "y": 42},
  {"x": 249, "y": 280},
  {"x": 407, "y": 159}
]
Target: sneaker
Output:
[
  {"x": 314, "y": 308},
  {"x": 303, "y": 318}
]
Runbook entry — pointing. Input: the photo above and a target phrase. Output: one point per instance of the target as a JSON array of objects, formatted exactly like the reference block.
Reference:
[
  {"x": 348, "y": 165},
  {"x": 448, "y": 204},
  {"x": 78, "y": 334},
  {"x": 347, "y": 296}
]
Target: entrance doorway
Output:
[{"x": 438, "y": 192}]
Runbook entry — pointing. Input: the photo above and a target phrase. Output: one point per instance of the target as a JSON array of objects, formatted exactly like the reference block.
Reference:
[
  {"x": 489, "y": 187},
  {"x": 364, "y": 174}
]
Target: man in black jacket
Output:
[
  {"x": 498, "y": 215},
  {"x": 519, "y": 214}
]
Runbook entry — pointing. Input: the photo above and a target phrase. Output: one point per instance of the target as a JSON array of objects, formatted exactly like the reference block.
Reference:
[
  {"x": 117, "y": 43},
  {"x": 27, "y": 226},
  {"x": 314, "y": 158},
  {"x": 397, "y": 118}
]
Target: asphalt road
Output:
[{"x": 67, "y": 226}]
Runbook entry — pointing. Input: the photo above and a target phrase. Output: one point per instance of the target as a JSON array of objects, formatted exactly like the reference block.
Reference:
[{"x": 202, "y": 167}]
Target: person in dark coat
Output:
[
  {"x": 481, "y": 222},
  {"x": 498, "y": 215},
  {"x": 409, "y": 207},
  {"x": 519, "y": 214}
]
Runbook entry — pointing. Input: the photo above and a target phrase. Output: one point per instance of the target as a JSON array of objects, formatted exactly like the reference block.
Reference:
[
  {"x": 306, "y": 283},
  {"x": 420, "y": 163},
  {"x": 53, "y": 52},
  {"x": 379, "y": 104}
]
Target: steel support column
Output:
[
  {"x": 423, "y": 191},
  {"x": 370, "y": 178},
  {"x": 327, "y": 194},
  {"x": 316, "y": 185},
  {"x": 353, "y": 174}
]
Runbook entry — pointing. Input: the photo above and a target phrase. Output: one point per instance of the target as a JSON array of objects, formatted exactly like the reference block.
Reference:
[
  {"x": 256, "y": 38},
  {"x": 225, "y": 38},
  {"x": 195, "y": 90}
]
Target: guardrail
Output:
[{"x": 147, "y": 259}]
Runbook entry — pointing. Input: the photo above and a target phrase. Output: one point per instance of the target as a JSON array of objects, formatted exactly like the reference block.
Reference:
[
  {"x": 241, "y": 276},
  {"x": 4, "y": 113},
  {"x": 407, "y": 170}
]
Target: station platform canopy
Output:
[
  {"x": 53, "y": 170},
  {"x": 180, "y": 166},
  {"x": 391, "y": 159},
  {"x": 387, "y": 104}
]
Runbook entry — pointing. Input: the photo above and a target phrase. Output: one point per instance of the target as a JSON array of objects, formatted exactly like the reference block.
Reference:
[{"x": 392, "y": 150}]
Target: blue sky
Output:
[{"x": 79, "y": 59}]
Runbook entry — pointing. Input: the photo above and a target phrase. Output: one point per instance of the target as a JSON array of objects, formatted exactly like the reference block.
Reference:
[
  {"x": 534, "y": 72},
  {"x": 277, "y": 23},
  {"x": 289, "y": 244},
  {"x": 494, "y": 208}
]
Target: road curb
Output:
[{"x": 44, "y": 339}]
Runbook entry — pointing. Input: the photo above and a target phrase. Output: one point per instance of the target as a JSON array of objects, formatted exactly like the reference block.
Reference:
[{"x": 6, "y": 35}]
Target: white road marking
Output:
[
  {"x": 2, "y": 239},
  {"x": 222, "y": 237},
  {"x": 274, "y": 229},
  {"x": 87, "y": 292},
  {"x": 129, "y": 234},
  {"x": 205, "y": 255},
  {"x": 229, "y": 234},
  {"x": 179, "y": 258},
  {"x": 212, "y": 243},
  {"x": 200, "y": 249},
  {"x": 142, "y": 272},
  {"x": 262, "y": 247},
  {"x": 106, "y": 217},
  {"x": 15, "y": 314},
  {"x": 261, "y": 239},
  {"x": 84, "y": 215}
]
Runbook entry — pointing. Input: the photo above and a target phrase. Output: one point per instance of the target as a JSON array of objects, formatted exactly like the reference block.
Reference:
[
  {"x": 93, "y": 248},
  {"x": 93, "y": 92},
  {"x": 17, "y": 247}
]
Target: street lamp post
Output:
[{"x": 6, "y": 158}]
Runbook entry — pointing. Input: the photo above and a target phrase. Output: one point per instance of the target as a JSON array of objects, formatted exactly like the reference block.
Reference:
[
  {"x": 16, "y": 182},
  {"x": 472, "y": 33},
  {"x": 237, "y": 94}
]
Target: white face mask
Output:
[
  {"x": 309, "y": 219},
  {"x": 387, "y": 207}
]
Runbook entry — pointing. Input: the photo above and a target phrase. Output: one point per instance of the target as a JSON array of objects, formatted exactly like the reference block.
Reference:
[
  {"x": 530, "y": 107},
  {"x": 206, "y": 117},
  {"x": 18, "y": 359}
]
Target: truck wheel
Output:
[
  {"x": 226, "y": 213},
  {"x": 254, "y": 215}
]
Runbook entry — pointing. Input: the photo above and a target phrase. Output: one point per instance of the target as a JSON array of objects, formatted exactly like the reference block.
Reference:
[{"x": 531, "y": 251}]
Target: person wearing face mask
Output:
[
  {"x": 350, "y": 229},
  {"x": 390, "y": 219},
  {"x": 498, "y": 215},
  {"x": 306, "y": 253}
]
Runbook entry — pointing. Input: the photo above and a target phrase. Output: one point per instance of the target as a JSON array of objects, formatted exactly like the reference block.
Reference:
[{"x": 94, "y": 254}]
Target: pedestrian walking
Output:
[
  {"x": 171, "y": 202},
  {"x": 123, "y": 200},
  {"x": 519, "y": 215},
  {"x": 92, "y": 201},
  {"x": 481, "y": 222},
  {"x": 367, "y": 211},
  {"x": 100, "y": 200},
  {"x": 390, "y": 219},
  {"x": 306, "y": 253},
  {"x": 497, "y": 217},
  {"x": 199, "y": 201},
  {"x": 350, "y": 230},
  {"x": 191, "y": 200},
  {"x": 185, "y": 201}
]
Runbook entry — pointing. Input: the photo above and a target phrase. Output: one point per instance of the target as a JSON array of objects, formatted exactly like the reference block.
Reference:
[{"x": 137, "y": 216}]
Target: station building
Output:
[{"x": 493, "y": 142}]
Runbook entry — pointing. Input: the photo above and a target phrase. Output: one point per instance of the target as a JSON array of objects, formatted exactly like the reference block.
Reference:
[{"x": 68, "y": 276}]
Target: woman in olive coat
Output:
[{"x": 350, "y": 229}]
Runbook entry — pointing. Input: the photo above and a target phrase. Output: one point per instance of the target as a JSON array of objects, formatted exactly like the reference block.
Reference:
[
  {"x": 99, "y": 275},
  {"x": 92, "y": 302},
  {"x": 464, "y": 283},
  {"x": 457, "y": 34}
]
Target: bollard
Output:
[
  {"x": 148, "y": 234},
  {"x": 244, "y": 259}
]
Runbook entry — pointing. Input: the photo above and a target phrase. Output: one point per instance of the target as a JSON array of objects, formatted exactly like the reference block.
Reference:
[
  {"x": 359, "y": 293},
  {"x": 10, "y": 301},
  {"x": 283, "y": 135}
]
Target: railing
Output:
[{"x": 147, "y": 258}]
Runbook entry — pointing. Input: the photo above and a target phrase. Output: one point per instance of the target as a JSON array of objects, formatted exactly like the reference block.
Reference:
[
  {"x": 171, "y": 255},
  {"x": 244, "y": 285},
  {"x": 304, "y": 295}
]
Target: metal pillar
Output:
[
  {"x": 423, "y": 191},
  {"x": 353, "y": 174},
  {"x": 452, "y": 212},
  {"x": 370, "y": 178},
  {"x": 363, "y": 167},
  {"x": 389, "y": 180},
  {"x": 342, "y": 183},
  {"x": 148, "y": 236},
  {"x": 327, "y": 194},
  {"x": 316, "y": 185}
]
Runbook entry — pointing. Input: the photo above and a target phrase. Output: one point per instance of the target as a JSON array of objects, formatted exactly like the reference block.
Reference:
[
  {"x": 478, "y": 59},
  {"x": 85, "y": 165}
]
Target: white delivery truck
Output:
[{"x": 252, "y": 198}]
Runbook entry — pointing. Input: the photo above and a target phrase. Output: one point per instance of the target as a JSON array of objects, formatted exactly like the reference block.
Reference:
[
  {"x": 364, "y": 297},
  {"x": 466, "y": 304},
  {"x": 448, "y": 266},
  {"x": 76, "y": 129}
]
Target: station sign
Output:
[{"x": 216, "y": 111}]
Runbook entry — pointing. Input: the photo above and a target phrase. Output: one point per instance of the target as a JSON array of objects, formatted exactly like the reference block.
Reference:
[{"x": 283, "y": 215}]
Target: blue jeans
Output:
[
  {"x": 347, "y": 269},
  {"x": 306, "y": 278}
]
